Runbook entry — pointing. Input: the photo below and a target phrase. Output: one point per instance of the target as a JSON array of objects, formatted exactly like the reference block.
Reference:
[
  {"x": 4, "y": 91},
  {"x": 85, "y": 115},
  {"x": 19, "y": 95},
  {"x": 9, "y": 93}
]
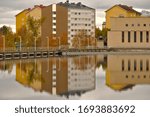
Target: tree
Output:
[
  {"x": 101, "y": 33},
  {"x": 4, "y": 30},
  {"x": 82, "y": 39},
  {"x": 27, "y": 38},
  {"x": 33, "y": 25},
  {"x": 30, "y": 31},
  {"x": 97, "y": 32},
  {"x": 9, "y": 36}
]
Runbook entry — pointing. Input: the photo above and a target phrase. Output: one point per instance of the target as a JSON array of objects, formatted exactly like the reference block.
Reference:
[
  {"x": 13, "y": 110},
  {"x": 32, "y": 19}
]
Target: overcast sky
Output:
[{"x": 9, "y": 8}]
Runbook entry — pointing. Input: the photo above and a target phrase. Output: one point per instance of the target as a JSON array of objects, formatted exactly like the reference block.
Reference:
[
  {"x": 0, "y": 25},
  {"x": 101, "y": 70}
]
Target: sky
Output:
[{"x": 9, "y": 8}]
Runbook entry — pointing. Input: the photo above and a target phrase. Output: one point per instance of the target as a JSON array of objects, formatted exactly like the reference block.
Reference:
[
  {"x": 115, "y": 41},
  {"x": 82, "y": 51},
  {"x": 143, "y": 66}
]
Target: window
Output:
[
  {"x": 141, "y": 36},
  {"x": 147, "y": 36},
  {"x": 138, "y": 24},
  {"x": 141, "y": 65},
  {"x": 135, "y": 65},
  {"x": 54, "y": 12},
  {"x": 132, "y": 25},
  {"x": 122, "y": 37},
  {"x": 144, "y": 25},
  {"x": 134, "y": 36},
  {"x": 122, "y": 65},
  {"x": 129, "y": 35},
  {"x": 147, "y": 65},
  {"x": 129, "y": 65},
  {"x": 126, "y": 25}
]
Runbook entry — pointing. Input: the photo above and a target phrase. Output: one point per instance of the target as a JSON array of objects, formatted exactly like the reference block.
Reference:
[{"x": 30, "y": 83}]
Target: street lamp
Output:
[
  {"x": 48, "y": 65},
  {"x": 47, "y": 43},
  {"x": 3, "y": 36},
  {"x": 59, "y": 43},
  {"x": 35, "y": 43},
  {"x": 20, "y": 42}
]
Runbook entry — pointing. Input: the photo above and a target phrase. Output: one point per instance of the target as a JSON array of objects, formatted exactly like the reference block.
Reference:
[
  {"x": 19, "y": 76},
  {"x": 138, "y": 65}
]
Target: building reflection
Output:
[
  {"x": 125, "y": 71},
  {"x": 6, "y": 66},
  {"x": 58, "y": 76}
]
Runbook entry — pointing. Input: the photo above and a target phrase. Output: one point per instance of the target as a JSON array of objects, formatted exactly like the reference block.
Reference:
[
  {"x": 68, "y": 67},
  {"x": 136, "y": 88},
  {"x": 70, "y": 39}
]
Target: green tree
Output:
[{"x": 97, "y": 32}]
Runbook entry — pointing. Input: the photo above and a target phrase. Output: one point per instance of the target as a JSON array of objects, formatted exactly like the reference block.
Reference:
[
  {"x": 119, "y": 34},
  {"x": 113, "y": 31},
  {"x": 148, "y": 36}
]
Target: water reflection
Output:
[
  {"x": 58, "y": 76},
  {"x": 85, "y": 77},
  {"x": 125, "y": 71}
]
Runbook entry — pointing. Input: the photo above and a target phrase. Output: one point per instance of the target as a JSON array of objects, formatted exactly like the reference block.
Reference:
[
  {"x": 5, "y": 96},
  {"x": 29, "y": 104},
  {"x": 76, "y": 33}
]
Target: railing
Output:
[
  {"x": 32, "y": 49},
  {"x": 27, "y": 49}
]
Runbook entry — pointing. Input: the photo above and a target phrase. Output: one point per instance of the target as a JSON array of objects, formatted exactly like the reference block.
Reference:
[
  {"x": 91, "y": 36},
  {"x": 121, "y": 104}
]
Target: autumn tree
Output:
[
  {"x": 9, "y": 36},
  {"x": 82, "y": 39},
  {"x": 30, "y": 31}
]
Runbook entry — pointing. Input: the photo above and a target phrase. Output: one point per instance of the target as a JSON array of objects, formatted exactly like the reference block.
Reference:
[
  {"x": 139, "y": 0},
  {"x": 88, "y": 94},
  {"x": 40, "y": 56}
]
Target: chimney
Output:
[
  {"x": 67, "y": 1},
  {"x": 131, "y": 7},
  {"x": 36, "y": 6}
]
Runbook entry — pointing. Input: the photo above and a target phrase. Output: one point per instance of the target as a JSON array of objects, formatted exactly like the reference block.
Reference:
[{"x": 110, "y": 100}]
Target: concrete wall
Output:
[{"x": 131, "y": 25}]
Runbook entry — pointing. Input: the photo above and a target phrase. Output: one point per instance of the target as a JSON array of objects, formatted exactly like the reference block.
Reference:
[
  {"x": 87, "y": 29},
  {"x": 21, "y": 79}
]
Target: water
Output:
[{"x": 82, "y": 77}]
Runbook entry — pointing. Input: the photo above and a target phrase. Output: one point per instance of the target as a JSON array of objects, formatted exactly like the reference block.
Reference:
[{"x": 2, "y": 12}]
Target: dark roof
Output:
[
  {"x": 78, "y": 5},
  {"x": 130, "y": 9},
  {"x": 127, "y": 8}
]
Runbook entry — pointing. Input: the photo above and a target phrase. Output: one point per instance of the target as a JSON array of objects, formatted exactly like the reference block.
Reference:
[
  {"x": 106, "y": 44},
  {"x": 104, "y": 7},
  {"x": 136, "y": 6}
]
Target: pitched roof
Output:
[
  {"x": 127, "y": 8},
  {"x": 23, "y": 11},
  {"x": 36, "y": 6}
]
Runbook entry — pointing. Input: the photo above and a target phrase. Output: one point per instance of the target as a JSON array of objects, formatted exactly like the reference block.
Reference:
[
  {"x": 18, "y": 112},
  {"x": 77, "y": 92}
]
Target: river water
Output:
[{"x": 112, "y": 77}]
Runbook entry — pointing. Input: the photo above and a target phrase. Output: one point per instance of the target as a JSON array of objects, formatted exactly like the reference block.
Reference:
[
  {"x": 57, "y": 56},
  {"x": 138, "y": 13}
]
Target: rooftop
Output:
[
  {"x": 78, "y": 5},
  {"x": 125, "y": 7}
]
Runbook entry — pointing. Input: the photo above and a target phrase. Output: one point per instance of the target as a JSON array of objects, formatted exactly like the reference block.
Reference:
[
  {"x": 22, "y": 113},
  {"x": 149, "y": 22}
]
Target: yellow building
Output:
[
  {"x": 129, "y": 70},
  {"x": 120, "y": 11},
  {"x": 21, "y": 19}
]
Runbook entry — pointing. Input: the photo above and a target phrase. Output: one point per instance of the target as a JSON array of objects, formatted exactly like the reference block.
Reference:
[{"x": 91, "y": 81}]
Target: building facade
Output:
[
  {"x": 129, "y": 70},
  {"x": 120, "y": 11},
  {"x": 129, "y": 33},
  {"x": 62, "y": 21},
  {"x": 58, "y": 76},
  {"x": 21, "y": 19}
]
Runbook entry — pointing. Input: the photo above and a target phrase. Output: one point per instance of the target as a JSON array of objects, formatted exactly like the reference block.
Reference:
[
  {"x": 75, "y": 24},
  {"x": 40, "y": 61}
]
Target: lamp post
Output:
[
  {"x": 35, "y": 43},
  {"x": 88, "y": 42},
  {"x": 20, "y": 42},
  {"x": 59, "y": 43},
  {"x": 79, "y": 43},
  {"x": 3, "y": 43},
  {"x": 47, "y": 43},
  {"x": 47, "y": 65}
]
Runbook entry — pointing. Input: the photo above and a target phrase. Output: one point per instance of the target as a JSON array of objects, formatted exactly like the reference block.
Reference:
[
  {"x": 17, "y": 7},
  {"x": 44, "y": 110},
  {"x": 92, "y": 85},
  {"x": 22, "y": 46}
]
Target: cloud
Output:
[{"x": 9, "y": 8}]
